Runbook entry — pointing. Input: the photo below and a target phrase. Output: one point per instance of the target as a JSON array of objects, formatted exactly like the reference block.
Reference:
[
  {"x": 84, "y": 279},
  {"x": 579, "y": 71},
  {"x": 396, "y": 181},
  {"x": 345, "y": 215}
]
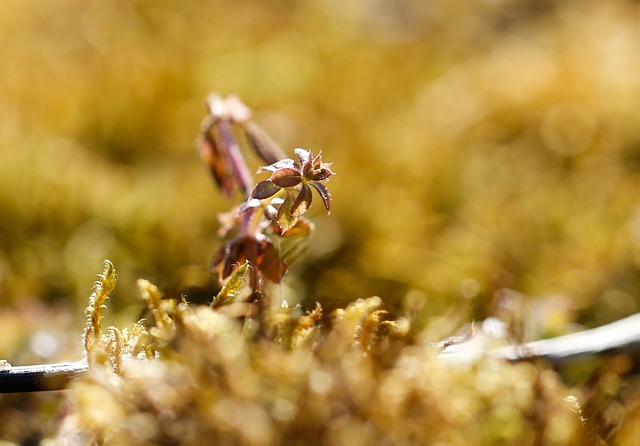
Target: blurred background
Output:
[{"x": 478, "y": 146}]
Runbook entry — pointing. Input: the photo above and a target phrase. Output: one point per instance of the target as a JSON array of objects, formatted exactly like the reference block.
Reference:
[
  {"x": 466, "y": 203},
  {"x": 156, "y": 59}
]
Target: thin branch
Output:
[
  {"x": 620, "y": 337},
  {"x": 35, "y": 378}
]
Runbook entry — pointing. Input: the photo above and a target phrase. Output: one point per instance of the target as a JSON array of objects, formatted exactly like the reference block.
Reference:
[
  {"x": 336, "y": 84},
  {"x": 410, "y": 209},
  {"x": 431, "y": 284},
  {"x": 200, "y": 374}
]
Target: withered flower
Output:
[
  {"x": 219, "y": 149},
  {"x": 297, "y": 179}
]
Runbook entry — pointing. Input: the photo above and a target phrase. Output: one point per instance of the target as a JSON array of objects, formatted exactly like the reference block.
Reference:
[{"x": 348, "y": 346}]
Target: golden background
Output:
[{"x": 477, "y": 145}]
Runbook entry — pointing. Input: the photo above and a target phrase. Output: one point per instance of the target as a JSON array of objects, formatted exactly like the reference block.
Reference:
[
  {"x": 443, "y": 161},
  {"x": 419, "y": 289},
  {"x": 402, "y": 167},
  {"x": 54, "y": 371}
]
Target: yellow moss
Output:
[{"x": 97, "y": 301}]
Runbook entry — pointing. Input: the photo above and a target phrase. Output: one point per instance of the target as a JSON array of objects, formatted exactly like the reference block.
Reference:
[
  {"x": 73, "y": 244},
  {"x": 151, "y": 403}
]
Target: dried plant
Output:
[
  {"x": 264, "y": 231},
  {"x": 239, "y": 371}
]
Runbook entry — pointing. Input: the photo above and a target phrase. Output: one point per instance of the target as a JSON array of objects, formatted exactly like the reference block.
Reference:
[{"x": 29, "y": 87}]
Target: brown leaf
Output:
[
  {"x": 287, "y": 162},
  {"x": 324, "y": 194},
  {"x": 262, "y": 143},
  {"x": 321, "y": 174},
  {"x": 286, "y": 177},
  {"x": 264, "y": 189},
  {"x": 303, "y": 155},
  {"x": 270, "y": 263},
  {"x": 302, "y": 202},
  {"x": 235, "y": 253}
]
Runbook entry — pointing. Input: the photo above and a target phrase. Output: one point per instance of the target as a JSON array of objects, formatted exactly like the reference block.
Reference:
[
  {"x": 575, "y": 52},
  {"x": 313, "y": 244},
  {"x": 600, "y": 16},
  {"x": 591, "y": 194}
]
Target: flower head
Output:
[{"x": 296, "y": 178}]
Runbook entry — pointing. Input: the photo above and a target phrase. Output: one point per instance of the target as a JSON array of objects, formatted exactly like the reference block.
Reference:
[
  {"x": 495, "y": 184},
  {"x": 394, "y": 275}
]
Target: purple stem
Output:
[{"x": 239, "y": 167}]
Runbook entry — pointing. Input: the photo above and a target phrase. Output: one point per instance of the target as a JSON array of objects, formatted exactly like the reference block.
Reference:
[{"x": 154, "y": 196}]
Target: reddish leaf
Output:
[
  {"x": 303, "y": 155},
  {"x": 263, "y": 145},
  {"x": 302, "y": 202},
  {"x": 324, "y": 194},
  {"x": 264, "y": 189},
  {"x": 321, "y": 174},
  {"x": 286, "y": 177},
  {"x": 306, "y": 168},
  {"x": 233, "y": 254},
  {"x": 222, "y": 263},
  {"x": 287, "y": 162},
  {"x": 270, "y": 264}
]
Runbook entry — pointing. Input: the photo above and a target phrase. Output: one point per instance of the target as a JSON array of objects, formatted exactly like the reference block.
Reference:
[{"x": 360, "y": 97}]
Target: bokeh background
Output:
[{"x": 478, "y": 146}]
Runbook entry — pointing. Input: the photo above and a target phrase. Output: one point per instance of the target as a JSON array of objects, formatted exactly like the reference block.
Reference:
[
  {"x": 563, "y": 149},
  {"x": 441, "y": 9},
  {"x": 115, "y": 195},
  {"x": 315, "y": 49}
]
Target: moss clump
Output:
[{"x": 201, "y": 376}]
